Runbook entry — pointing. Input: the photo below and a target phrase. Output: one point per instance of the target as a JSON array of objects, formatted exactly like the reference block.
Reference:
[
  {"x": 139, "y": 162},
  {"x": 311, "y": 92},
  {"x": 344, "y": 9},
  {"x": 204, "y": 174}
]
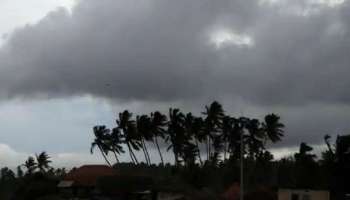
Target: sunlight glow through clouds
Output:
[
  {"x": 301, "y": 8},
  {"x": 225, "y": 37},
  {"x": 330, "y": 3}
]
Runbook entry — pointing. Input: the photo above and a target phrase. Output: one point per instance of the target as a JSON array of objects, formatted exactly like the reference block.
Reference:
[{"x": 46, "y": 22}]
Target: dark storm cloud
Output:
[
  {"x": 120, "y": 49},
  {"x": 296, "y": 57},
  {"x": 161, "y": 50}
]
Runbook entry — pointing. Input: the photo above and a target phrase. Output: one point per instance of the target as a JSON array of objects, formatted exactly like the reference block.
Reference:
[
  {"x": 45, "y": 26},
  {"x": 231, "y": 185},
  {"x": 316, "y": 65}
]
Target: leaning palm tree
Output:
[
  {"x": 158, "y": 124},
  {"x": 43, "y": 161},
  {"x": 143, "y": 124},
  {"x": 273, "y": 128},
  {"x": 254, "y": 137},
  {"x": 212, "y": 123},
  {"x": 176, "y": 133},
  {"x": 194, "y": 132},
  {"x": 100, "y": 141},
  {"x": 131, "y": 138},
  {"x": 30, "y": 165},
  {"x": 116, "y": 141}
]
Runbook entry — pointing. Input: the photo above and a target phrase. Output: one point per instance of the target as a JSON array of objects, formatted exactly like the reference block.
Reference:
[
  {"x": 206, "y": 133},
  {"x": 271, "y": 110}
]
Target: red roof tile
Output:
[{"x": 87, "y": 175}]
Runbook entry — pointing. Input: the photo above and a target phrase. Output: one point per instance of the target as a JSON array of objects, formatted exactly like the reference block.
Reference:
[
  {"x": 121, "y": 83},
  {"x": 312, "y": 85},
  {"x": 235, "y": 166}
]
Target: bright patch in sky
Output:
[
  {"x": 330, "y": 3},
  {"x": 17, "y": 13},
  {"x": 222, "y": 38}
]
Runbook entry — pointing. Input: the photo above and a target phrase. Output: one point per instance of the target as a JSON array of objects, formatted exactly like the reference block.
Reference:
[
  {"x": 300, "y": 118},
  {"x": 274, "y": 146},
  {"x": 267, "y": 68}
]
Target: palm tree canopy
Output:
[
  {"x": 158, "y": 124},
  {"x": 43, "y": 161},
  {"x": 273, "y": 127},
  {"x": 102, "y": 139},
  {"x": 30, "y": 164},
  {"x": 144, "y": 125}
]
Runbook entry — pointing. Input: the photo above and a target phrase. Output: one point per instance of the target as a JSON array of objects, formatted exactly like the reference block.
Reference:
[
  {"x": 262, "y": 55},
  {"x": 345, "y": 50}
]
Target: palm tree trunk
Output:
[
  {"x": 160, "y": 153},
  {"x": 104, "y": 156},
  {"x": 130, "y": 153},
  {"x": 176, "y": 159},
  {"x": 199, "y": 153},
  {"x": 133, "y": 154},
  {"x": 115, "y": 155},
  {"x": 147, "y": 153},
  {"x": 144, "y": 151},
  {"x": 209, "y": 147}
]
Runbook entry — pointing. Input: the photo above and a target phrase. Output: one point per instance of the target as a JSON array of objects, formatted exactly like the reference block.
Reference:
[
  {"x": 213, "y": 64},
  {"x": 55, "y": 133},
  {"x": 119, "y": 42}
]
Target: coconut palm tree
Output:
[
  {"x": 129, "y": 130},
  {"x": 194, "y": 132},
  {"x": 30, "y": 165},
  {"x": 116, "y": 141},
  {"x": 43, "y": 161},
  {"x": 143, "y": 124},
  {"x": 212, "y": 123},
  {"x": 176, "y": 133},
  {"x": 100, "y": 133},
  {"x": 235, "y": 139},
  {"x": 158, "y": 124},
  {"x": 273, "y": 128},
  {"x": 254, "y": 137}
]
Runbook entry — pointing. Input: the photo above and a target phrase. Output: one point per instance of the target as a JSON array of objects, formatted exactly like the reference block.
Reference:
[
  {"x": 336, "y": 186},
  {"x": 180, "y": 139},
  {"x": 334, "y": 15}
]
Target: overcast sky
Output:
[{"x": 68, "y": 65}]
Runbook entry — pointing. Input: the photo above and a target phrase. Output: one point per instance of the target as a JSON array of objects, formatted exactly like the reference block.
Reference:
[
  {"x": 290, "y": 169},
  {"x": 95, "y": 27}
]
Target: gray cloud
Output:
[{"x": 160, "y": 52}]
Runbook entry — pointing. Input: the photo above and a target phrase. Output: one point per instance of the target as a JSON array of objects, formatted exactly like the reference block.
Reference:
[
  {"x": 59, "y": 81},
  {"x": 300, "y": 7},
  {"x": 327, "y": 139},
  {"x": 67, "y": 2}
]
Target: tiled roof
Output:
[{"x": 87, "y": 175}]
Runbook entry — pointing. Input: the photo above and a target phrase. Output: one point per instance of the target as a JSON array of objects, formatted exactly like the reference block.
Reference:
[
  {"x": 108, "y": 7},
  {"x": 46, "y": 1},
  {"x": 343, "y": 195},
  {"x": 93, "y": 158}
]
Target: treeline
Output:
[
  {"x": 206, "y": 150},
  {"x": 213, "y": 137},
  {"x": 33, "y": 179}
]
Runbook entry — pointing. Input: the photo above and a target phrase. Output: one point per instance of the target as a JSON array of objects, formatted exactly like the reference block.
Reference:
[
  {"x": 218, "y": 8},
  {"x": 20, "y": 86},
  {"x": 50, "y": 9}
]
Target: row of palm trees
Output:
[{"x": 212, "y": 137}]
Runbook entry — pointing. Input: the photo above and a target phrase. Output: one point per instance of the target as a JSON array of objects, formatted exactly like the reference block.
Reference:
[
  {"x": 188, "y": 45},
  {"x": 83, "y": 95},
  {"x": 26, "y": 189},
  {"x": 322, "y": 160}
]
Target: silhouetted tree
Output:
[
  {"x": 273, "y": 128},
  {"x": 176, "y": 133},
  {"x": 158, "y": 124},
  {"x": 143, "y": 124},
  {"x": 306, "y": 167},
  {"x": 100, "y": 133},
  {"x": 131, "y": 137},
  {"x": 6, "y": 174},
  {"x": 212, "y": 124},
  {"x": 43, "y": 161},
  {"x": 254, "y": 137},
  {"x": 30, "y": 165}
]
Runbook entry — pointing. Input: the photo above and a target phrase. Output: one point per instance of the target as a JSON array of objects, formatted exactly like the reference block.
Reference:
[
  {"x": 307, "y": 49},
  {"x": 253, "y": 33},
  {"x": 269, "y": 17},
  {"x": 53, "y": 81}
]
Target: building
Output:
[
  {"x": 104, "y": 182},
  {"x": 81, "y": 182},
  {"x": 302, "y": 194}
]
